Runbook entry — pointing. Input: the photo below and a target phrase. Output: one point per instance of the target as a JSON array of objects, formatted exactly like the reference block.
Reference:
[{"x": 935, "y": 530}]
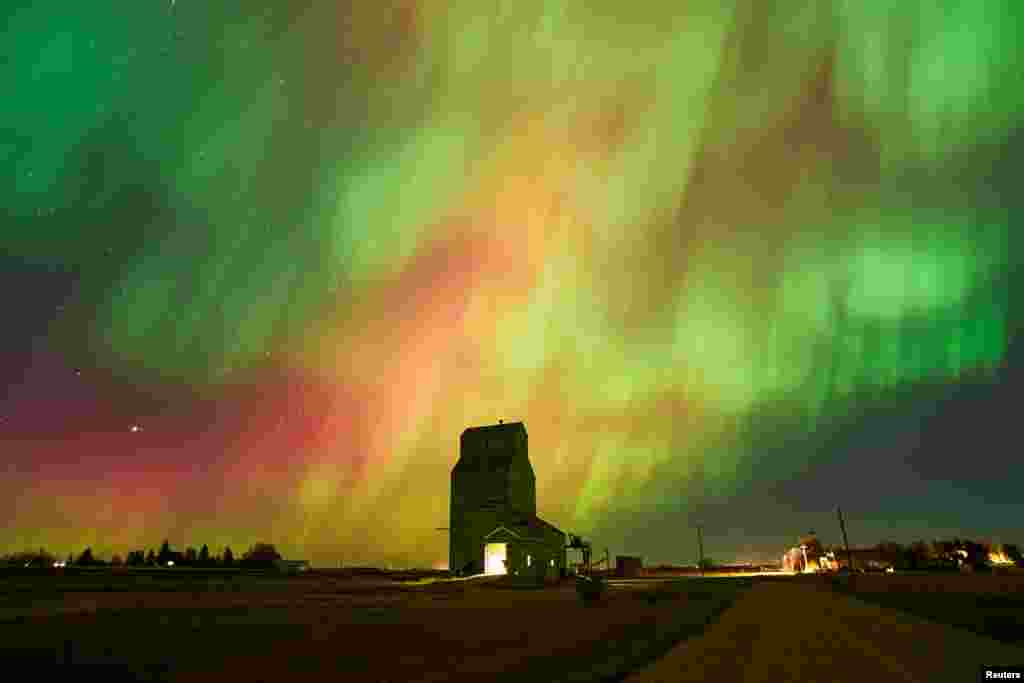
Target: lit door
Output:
[{"x": 494, "y": 558}]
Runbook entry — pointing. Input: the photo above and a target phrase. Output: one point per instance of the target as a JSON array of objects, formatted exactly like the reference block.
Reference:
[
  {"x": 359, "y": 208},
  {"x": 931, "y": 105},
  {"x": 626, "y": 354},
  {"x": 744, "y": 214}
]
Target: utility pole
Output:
[
  {"x": 846, "y": 543},
  {"x": 700, "y": 550}
]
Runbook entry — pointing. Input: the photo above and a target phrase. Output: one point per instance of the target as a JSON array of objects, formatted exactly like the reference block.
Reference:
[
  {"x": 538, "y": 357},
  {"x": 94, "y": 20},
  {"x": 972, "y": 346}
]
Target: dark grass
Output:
[
  {"x": 632, "y": 647},
  {"x": 997, "y": 616},
  {"x": 27, "y": 587},
  {"x": 140, "y": 644},
  {"x": 22, "y": 592},
  {"x": 136, "y": 645},
  {"x": 44, "y": 665}
]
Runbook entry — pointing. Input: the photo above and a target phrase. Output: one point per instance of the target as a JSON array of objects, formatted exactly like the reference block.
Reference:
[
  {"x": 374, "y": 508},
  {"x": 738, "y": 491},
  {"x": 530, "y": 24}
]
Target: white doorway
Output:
[{"x": 494, "y": 558}]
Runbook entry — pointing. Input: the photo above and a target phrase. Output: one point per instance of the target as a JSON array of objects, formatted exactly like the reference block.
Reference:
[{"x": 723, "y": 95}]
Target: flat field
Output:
[
  {"x": 987, "y": 604},
  {"x": 804, "y": 629},
  {"x": 209, "y": 625}
]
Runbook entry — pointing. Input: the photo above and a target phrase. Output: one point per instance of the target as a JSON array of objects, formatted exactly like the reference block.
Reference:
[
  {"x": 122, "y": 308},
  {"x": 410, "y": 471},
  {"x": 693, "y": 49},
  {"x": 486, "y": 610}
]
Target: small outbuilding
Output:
[{"x": 530, "y": 549}]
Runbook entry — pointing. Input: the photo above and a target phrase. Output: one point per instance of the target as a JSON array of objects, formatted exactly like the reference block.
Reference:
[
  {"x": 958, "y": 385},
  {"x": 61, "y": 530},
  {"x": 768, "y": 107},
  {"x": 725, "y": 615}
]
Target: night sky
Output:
[{"x": 262, "y": 263}]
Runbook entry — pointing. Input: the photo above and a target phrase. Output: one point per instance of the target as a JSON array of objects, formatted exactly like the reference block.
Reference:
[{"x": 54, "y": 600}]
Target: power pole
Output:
[
  {"x": 700, "y": 550},
  {"x": 846, "y": 543}
]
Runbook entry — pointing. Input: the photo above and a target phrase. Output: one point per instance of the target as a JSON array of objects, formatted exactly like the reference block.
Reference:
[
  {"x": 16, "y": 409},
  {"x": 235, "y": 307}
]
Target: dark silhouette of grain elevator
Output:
[{"x": 494, "y": 527}]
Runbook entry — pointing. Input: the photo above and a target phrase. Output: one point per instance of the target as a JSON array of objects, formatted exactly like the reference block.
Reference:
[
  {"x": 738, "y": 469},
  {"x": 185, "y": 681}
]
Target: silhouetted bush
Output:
[
  {"x": 32, "y": 558},
  {"x": 165, "y": 554},
  {"x": 260, "y": 555}
]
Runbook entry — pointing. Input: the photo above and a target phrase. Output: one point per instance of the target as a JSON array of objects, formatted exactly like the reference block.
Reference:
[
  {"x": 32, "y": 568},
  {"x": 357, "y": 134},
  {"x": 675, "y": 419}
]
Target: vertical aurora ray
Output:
[{"x": 315, "y": 243}]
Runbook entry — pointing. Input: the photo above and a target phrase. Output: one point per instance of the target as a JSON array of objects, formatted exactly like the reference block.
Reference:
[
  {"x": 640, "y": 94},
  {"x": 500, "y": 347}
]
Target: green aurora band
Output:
[{"x": 656, "y": 236}]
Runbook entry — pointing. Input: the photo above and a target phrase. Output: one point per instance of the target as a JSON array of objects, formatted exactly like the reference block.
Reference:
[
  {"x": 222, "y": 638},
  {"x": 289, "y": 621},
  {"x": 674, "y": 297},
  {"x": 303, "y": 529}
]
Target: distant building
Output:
[
  {"x": 863, "y": 558},
  {"x": 627, "y": 566},
  {"x": 494, "y": 526},
  {"x": 808, "y": 556}
]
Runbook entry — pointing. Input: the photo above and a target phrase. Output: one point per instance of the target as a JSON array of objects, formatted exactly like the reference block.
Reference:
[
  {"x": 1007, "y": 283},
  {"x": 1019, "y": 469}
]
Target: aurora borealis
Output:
[{"x": 738, "y": 263}]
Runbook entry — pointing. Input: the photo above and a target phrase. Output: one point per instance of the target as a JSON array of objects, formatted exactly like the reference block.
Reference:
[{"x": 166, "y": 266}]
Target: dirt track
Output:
[{"x": 790, "y": 631}]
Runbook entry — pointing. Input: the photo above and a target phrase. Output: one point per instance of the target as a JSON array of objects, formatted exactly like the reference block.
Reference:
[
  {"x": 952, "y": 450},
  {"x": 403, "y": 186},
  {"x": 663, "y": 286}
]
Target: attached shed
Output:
[{"x": 531, "y": 549}]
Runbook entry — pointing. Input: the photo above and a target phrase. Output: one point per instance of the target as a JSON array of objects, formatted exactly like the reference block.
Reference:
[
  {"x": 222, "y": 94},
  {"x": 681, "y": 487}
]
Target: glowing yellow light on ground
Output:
[{"x": 494, "y": 558}]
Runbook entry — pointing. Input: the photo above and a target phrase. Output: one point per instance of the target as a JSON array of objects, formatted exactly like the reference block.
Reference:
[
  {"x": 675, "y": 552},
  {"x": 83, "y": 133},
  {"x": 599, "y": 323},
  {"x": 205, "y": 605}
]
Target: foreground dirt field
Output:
[
  {"x": 247, "y": 629},
  {"x": 805, "y": 631},
  {"x": 320, "y": 627}
]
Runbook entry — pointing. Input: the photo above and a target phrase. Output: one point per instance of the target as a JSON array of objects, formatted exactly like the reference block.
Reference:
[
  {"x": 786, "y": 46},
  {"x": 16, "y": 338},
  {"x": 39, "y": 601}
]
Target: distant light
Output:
[
  {"x": 999, "y": 558},
  {"x": 136, "y": 428},
  {"x": 170, "y": 563}
]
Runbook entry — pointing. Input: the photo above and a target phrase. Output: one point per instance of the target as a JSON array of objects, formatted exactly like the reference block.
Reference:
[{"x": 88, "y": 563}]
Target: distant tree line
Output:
[
  {"x": 950, "y": 554},
  {"x": 259, "y": 555}
]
